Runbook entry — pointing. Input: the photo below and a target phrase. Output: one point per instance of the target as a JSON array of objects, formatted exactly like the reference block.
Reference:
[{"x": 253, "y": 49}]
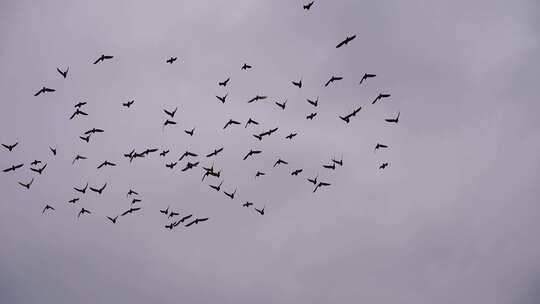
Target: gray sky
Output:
[{"x": 453, "y": 219}]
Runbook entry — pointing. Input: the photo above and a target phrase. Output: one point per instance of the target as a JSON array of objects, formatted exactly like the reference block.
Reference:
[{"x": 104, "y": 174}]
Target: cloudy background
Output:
[{"x": 453, "y": 219}]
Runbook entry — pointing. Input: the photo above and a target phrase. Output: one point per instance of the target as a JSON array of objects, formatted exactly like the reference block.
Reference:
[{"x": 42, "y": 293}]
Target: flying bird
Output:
[
  {"x": 171, "y": 165},
  {"x": 224, "y": 83},
  {"x": 290, "y": 136},
  {"x": 40, "y": 170},
  {"x": 296, "y": 172},
  {"x": 379, "y": 146},
  {"x": 231, "y": 122},
  {"x": 338, "y": 162},
  {"x": 252, "y": 152},
  {"x": 77, "y": 112},
  {"x": 130, "y": 210},
  {"x": 394, "y": 120},
  {"x": 93, "y": 131},
  {"x": 168, "y": 122},
  {"x": 251, "y": 121},
  {"x": 171, "y": 60},
  {"x": 170, "y": 113},
  {"x": 10, "y": 147},
  {"x": 173, "y": 214},
  {"x": 73, "y": 200},
  {"x": 383, "y": 166},
  {"x": 380, "y": 97},
  {"x": 131, "y": 192},
  {"x": 35, "y": 162},
  {"x": 83, "y": 211},
  {"x": 53, "y": 150},
  {"x": 298, "y": 83},
  {"x": 366, "y": 76},
  {"x": 165, "y": 211},
  {"x": 13, "y": 168},
  {"x": 313, "y": 102},
  {"x": 311, "y": 116},
  {"x": 259, "y": 173},
  {"x": 216, "y": 151},
  {"x": 308, "y": 6},
  {"x": 218, "y": 187},
  {"x": 47, "y": 207},
  {"x": 320, "y": 184},
  {"x": 332, "y": 166},
  {"x": 187, "y": 153},
  {"x": 332, "y": 79},
  {"x": 346, "y": 41},
  {"x": 80, "y": 104},
  {"x": 103, "y": 58},
  {"x": 135, "y": 200},
  {"x": 257, "y": 97},
  {"x": 63, "y": 73},
  {"x": 190, "y": 165},
  {"x": 313, "y": 180},
  {"x": 163, "y": 153},
  {"x": 247, "y": 204},
  {"x": 279, "y": 162},
  {"x": 230, "y": 195},
  {"x": 128, "y": 104},
  {"x": 106, "y": 163},
  {"x": 190, "y": 133},
  {"x": 261, "y": 211},
  {"x": 99, "y": 190},
  {"x": 282, "y": 105},
  {"x": 27, "y": 185},
  {"x": 196, "y": 221},
  {"x": 246, "y": 66},
  {"x": 222, "y": 98},
  {"x": 81, "y": 190},
  {"x": 113, "y": 219},
  {"x": 44, "y": 90},
  {"x": 85, "y": 138}
]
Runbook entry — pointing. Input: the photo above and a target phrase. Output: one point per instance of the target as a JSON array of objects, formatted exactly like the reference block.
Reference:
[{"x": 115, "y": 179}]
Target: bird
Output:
[
  {"x": 47, "y": 207},
  {"x": 231, "y": 195},
  {"x": 215, "y": 152},
  {"x": 313, "y": 102},
  {"x": 187, "y": 153},
  {"x": 252, "y": 152},
  {"x": 63, "y": 73},
  {"x": 311, "y": 116},
  {"x": 346, "y": 41},
  {"x": 130, "y": 210},
  {"x": 251, "y": 121},
  {"x": 224, "y": 83},
  {"x": 44, "y": 90},
  {"x": 313, "y": 180},
  {"x": 99, "y": 190},
  {"x": 73, "y": 200},
  {"x": 77, "y": 112},
  {"x": 190, "y": 165},
  {"x": 190, "y": 133},
  {"x": 320, "y": 184},
  {"x": 383, "y": 166},
  {"x": 379, "y": 97},
  {"x": 332, "y": 79},
  {"x": 150, "y": 150},
  {"x": 257, "y": 97},
  {"x": 345, "y": 118},
  {"x": 218, "y": 187},
  {"x": 171, "y": 60},
  {"x": 163, "y": 153},
  {"x": 83, "y": 211},
  {"x": 338, "y": 162},
  {"x": 40, "y": 170},
  {"x": 196, "y": 221},
  {"x": 258, "y": 136},
  {"x": 170, "y": 226},
  {"x": 131, "y": 192},
  {"x": 246, "y": 66},
  {"x": 27, "y": 185},
  {"x": 165, "y": 211},
  {"x": 290, "y": 136},
  {"x": 13, "y": 168},
  {"x": 81, "y": 190},
  {"x": 308, "y": 6},
  {"x": 261, "y": 211},
  {"x": 279, "y": 162},
  {"x": 394, "y": 120},
  {"x": 173, "y": 214},
  {"x": 85, "y": 138},
  {"x": 103, "y": 58},
  {"x": 259, "y": 173},
  {"x": 53, "y": 150},
  {"x": 35, "y": 162},
  {"x": 185, "y": 218},
  {"x": 168, "y": 122},
  {"x": 170, "y": 113},
  {"x": 106, "y": 163},
  {"x": 222, "y": 98},
  {"x": 231, "y": 122},
  {"x": 282, "y": 105},
  {"x": 93, "y": 131},
  {"x": 332, "y": 166},
  {"x": 296, "y": 172},
  {"x": 10, "y": 147},
  {"x": 128, "y": 104},
  {"x": 366, "y": 76},
  {"x": 136, "y": 200},
  {"x": 171, "y": 165},
  {"x": 298, "y": 83},
  {"x": 80, "y": 104},
  {"x": 113, "y": 219},
  {"x": 379, "y": 146}
]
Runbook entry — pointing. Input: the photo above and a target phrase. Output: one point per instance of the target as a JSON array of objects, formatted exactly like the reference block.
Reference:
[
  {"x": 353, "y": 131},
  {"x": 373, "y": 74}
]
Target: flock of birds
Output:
[{"x": 173, "y": 217}]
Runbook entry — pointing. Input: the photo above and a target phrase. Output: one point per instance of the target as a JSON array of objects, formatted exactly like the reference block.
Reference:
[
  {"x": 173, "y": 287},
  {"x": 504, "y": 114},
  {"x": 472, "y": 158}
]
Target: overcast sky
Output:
[{"x": 452, "y": 219}]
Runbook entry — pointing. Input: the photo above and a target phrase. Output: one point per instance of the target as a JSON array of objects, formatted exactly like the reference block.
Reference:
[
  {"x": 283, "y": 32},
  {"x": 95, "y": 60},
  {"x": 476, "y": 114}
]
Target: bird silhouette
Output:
[
  {"x": 252, "y": 152},
  {"x": 259, "y": 173},
  {"x": 190, "y": 133},
  {"x": 313, "y": 180},
  {"x": 313, "y": 102},
  {"x": 298, "y": 83},
  {"x": 231, "y": 122},
  {"x": 131, "y": 192},
  {"x": 171, "y": 60},
  {"x": 135, "y": 200},
  {"x": 40, "y": 170},
  {"x": 290, "y": 136},
  {"x": 169, "y": 226},
  {"x": 163, "y": 153},
  {"x": 196, "y": 221},
  {"x": 383, "y": 166},
  {"x": 63, "y": 73},
  {"x": 332, "y": 166},
  {"x": 311, "y": 116},
  {"x": 246, "y": 66},
  {"x": 85, "y": 138},
  {"x": 35, "y": 162},
  {"x": 282, "y": 105},
  {"x": 106, "y": 163},
  {"x": 258, "y": 136},
  {"x": 83, "y": 211},
  {"x": 44, "y": 90},
  {"x": 10, "y": 147},
  {"x": 338, "y": 162},
  {"x": 27, "y": 185},
  {"x": 247, "y": 204},
  {"x": 190, "y": 165},
  {"x": 332, "y": 79},
  {"x": 77, "y": 112},
  {"x": 183, "y": 219},
  {"x": 73, "y": 200},
  {"x": 230, "y": 195},
  {"x": 296, "y": 172},
  {"x": 128, "y": 103},
  {"x": 394, "y": 120},
  {"x": 320, "y": 184},
  {"x": 308, "y": 6},
  {"x": 216, "y": 151},
  {"x": 222, "y": 98},
  {"x": 257, "y": 97},
  {"x": 103, "y": 58},
  {"x": 80, "y": 104},
  {"x": 171, "y": 165},
  {"x": 13, "y": 168},
  {"x": 366, "y": 76},
  {"x": 279, "y": 162},
  {"x": 261, "y": 211},
  {"x": 165, "y": 211},
  {"x": 150, "y": 150},
  {"x": 170, "y": 113},
  {"x": 81, "y": 190},
  {"x": 168, "y": 122},
  {"x": 47, "y": 207},
  {"x": 53, "y": 150},
  {"x": 224, "y": 83},
  {"x": 218, "y": 187},
  {"x": 379, "y": 97},
  {"x": 188, "y": 153},
  {"x": 113, "y": 219},
  {"x": 346, "y": 41},
  {"x": 99, "y": 190},
  {"x": 251, "y": 121},
  {"x": 379, "y": 146},
  {"x": 173, "y": 214},
  {"x": 130, "y": 210},
  {"x": 345, "y": 118},
  {"x": 93, "y": 131}
]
